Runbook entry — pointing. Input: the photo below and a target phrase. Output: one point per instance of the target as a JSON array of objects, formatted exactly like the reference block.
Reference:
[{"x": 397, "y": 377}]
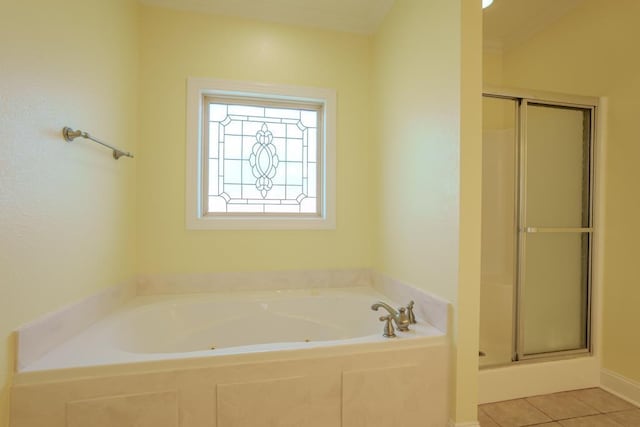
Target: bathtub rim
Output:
[
  {"x": 42, "y": 334},
  {"x": 282, "y": 355}
]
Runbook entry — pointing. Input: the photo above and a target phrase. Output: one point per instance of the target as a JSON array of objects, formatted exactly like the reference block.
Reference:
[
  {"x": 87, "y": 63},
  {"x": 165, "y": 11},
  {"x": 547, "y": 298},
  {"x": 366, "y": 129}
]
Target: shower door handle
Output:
[{"x": 557, "y": 230}]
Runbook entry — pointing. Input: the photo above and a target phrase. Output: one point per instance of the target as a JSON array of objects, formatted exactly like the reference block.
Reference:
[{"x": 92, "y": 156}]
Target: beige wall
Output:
[
  {"x": 67, "y": 211},
  {"x": 427, "y": 110},
  {"x": 492, "y": 67},
  {"x": 590, "y": 52},
  {"x": 176, "y": 45}
]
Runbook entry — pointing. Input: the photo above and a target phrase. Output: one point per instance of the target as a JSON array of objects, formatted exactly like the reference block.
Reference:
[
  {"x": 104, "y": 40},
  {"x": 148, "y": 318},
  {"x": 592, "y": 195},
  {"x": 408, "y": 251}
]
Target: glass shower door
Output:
[
  {"x": 555, "y": 229},
  {"x": 499, "y": 237}
]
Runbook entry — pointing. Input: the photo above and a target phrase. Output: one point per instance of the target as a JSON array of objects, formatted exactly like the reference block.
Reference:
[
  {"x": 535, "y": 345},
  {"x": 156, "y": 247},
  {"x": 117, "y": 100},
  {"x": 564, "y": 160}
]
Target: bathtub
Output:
[
  {"x": 195, "y": 360},
  {"x": 151, "y": 328}
]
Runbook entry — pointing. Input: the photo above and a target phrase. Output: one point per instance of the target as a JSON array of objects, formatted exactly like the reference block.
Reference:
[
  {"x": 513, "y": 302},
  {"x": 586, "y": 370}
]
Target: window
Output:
[{"x": 259, "y": 156}]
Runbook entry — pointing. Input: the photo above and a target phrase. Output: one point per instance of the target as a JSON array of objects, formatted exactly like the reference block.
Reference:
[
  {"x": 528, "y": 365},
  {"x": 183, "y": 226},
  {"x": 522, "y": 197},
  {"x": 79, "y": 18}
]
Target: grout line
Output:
[
  {"x": 610, "y": 419},
  {"x": 559, "y": 420},
  {"x": 549, "y": 416},
  {"x": 490, "y": 417}
]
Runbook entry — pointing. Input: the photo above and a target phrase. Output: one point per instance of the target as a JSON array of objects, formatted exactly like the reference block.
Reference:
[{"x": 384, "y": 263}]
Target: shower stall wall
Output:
[{"x": 537, "y": 233}]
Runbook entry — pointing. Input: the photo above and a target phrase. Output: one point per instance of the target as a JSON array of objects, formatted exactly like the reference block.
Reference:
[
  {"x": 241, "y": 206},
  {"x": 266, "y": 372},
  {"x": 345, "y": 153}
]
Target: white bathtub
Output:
[
  {"x": 151, "y": 328},
  {"x": 309, "y": 358}
]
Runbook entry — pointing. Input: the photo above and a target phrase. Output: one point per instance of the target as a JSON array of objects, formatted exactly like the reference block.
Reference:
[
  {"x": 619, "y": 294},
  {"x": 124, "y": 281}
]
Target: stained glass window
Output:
[{"x": 261, "y": 157}]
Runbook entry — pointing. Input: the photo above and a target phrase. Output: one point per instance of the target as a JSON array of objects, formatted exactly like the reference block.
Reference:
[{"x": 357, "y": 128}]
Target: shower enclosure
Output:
[{"x": 537, "y": 227}]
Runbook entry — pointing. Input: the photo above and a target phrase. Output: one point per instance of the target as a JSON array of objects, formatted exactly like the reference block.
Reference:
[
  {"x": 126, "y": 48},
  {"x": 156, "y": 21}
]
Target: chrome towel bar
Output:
[{"x": 70, "y": 134}]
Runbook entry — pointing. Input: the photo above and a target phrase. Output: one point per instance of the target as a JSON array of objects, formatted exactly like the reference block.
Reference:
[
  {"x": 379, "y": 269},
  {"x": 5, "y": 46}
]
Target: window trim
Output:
[{"x": 197, "y": 89}]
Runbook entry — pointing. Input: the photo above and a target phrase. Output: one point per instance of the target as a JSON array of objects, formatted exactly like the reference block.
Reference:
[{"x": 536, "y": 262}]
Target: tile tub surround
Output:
[
  {"x": 429, "y": 307},
  {"x": 38, "y": 337},
  {"x": 245, "y": 281},
  {"x": 580, "y": 408}
]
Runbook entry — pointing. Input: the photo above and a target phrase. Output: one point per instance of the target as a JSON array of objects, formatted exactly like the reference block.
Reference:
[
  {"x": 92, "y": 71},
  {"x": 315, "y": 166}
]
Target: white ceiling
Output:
[
  {"x": 507, "y": 23},
  {"x": 358, "y": 16}
]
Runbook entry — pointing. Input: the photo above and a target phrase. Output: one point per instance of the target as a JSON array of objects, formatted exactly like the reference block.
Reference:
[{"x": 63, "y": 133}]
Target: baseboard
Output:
[
  {"x": 472, "y": 424},
  {"x": 621, "y": 386},
  {"x": 532, "y": 379}
]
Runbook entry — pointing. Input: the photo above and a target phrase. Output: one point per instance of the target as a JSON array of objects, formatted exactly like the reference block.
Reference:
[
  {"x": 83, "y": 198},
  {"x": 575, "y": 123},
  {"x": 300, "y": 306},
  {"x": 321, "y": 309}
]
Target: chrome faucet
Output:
[{"x": 399, "y": 317}]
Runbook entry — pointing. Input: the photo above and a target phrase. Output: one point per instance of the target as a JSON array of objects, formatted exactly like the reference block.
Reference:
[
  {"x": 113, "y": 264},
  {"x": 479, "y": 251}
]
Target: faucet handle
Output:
[
  {"x": 410, "y": 315},
  {"x": 402, "y": 320},
  {"x": 388, "y": 331}
]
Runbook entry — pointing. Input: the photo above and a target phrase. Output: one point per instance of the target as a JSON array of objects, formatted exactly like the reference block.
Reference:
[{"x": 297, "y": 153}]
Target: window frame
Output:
[
  {"x": 318, "y": 108},
  {"x": 198, "y": 89}
]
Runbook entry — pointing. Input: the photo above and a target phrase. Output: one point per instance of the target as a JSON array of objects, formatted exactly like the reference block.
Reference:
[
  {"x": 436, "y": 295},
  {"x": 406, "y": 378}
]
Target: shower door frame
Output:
[{"x": 523, "y": 98}]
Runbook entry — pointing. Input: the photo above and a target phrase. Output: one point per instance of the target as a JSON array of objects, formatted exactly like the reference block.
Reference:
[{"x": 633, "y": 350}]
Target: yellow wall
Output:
[
  {"x": 427, "y": 110},
  {"x": 590, "y": 52},
  {"x": 417, "y": 111},
  {"x": 67, "y": 211},
  {"x": 492, "y": 67},
  {"x": 176, "y": 45}
]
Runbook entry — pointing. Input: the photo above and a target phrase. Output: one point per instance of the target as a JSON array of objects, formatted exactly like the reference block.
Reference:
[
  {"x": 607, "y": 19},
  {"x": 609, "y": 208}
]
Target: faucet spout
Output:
[
  {"x": 392, "y": 311},
  {"x": 399, "y": 318}
]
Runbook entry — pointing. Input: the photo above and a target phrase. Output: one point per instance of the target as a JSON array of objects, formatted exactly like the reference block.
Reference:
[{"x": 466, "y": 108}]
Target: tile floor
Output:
[{"x": 592, "y": 407}]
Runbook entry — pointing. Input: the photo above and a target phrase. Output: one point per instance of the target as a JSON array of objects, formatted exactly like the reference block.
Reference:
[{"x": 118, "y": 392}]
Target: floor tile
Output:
[
  {"x": 515, "y": 413},
  {"x": 592, "y": 421},
  {"x": 559, "y": 406},
  {"x": 485, "y": 420},
  {"x": 626, "y": 418},
  {"x": 553, "y": 424},
  {"x": 601, "y": 400}
]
